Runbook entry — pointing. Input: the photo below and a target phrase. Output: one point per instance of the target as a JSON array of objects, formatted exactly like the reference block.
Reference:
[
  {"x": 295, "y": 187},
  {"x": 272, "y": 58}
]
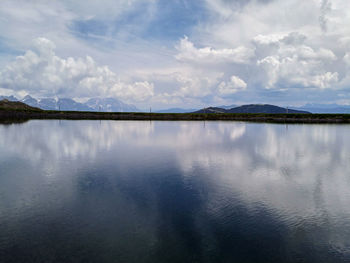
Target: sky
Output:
[{"x": 177, "y": 53}]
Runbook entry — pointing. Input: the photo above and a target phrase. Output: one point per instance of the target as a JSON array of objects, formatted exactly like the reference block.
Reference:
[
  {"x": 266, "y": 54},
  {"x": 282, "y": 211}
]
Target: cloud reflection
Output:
[
  {"x": 191, "y": 174},
  {"x": 259, "y": 161}
]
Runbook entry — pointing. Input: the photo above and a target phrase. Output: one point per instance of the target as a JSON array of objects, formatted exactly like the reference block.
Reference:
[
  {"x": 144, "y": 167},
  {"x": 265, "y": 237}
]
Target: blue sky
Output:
[{"x": 178, "y": 53}]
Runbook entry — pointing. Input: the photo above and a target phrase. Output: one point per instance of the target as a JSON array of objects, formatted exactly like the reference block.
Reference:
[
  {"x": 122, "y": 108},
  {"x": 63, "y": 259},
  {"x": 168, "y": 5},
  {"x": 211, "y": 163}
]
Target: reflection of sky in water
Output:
[{"x": 199, "y": 189}]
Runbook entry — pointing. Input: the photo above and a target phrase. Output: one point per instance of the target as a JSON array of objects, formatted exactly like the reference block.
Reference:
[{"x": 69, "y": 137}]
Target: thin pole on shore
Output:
[{"x": 150, "y": 112}]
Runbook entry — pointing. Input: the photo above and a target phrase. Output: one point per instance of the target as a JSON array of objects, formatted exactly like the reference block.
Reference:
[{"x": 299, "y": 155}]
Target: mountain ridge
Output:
[
  {"x": 253, "y": 108},
  {"x": 110, "y": 105},
  {"x": 116, "y": 105},
  {"x": 68, "y": 104},
  {"x": 325, "y": 108},
  {"x": 175, "y": 110}
]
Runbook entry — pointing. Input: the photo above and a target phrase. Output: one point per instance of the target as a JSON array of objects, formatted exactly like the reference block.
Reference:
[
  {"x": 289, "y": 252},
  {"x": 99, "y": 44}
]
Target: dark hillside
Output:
[
  {"x": 16, "y": 105},
  {"x": 263, "y": 108},
  {"x": 212, "y": 110},
  {"x": 253, "y": 108}
]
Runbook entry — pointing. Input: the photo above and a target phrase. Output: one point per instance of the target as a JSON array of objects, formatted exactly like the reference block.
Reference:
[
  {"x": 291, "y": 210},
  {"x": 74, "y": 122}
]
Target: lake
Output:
[{"x": 142, "y": 191}]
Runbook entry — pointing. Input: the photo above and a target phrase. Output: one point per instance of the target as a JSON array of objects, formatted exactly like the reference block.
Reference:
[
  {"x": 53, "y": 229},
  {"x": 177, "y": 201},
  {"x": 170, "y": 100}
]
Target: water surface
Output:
[{"x": 140, "y": 191}]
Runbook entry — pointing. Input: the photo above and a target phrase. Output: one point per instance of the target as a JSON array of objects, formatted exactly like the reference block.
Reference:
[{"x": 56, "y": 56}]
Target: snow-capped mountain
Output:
[
  {"x": 55, "y": 104},
  {"x": 48, "y": 104},
  {"x": 110, "y": 105},
  {"x": 66, "y": 104},
  {"x": 72, "y": 105},
  {"x": 30, "y": 101}
]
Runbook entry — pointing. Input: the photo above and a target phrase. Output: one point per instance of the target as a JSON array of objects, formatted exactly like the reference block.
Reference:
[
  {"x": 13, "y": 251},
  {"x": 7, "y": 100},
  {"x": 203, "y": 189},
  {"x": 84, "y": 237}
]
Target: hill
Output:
[
  {"x": 211, "y": 110},
  {"x": 16, "y": 105},
  {"x": 263, "y": 108},
  {"x": 253, "y": 108}
]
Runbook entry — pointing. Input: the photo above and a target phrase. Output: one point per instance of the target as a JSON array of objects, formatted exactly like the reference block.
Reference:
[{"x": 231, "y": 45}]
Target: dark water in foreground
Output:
[{"x": 90, "y": 191}]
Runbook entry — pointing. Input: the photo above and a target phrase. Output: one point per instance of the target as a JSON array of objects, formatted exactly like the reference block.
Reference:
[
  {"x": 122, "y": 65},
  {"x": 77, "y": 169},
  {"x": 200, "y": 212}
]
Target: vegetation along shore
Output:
[{"x": 7, "y": 115}]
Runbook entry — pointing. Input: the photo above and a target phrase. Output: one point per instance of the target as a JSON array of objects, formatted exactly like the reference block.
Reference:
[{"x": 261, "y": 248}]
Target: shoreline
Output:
[{"x": 8, "y": 115}]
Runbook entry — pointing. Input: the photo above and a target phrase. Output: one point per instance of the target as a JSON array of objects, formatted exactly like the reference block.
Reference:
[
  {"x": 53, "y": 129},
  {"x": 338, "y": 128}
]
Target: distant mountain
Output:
[
  {"x": 325, "y": 108},
  {"x": 110, "y": 105},
  {"x": 15, "y": 105},
  {"x": 321, "y": 106},
  {"x": 72, "y": 105},
  {"x": 30, "y": 101},
  {"x": 9, "y": 98},
  {"x": 48, "y": 104},
  {"x": 176, "y": 110},
  {"x": 211, "y": 110},
  {"x": 66, "y": 104},
  {"x": 227, "y": 107},
  {"x": 252, "y": 108},
  {"x": 53, "y": 104}
]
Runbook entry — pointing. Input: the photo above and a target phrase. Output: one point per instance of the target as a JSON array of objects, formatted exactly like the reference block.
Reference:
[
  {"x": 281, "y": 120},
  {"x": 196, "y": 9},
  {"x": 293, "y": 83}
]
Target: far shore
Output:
[{"x": 8, "y": 115}]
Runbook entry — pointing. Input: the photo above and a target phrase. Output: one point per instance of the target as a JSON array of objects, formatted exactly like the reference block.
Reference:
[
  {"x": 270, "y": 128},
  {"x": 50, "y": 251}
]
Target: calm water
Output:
[{"x": 91, "y": 191}]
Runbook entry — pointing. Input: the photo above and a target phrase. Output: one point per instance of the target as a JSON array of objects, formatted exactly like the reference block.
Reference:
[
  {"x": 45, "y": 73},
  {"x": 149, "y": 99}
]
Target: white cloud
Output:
[
  {"x": 41, "y": 73},
  {"x": 289, "y": 45},
  {"x": 208, "y": 55},
  {"x": 289, "y": 62},
  {"x": 137, "y": 91},
  {"x": 347, "y": 58},
  {"x": 234, "y": 85},
  {"x": 298, "y": 44}
]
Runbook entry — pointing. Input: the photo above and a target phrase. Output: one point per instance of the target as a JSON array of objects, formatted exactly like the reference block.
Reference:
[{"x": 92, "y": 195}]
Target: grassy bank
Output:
[{"x": 77, "y": 115}]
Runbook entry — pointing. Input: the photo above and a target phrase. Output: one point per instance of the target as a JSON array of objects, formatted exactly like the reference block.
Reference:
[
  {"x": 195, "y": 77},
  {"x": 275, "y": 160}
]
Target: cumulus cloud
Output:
[
  {"x": 347, "y": 58},
  {"x": 41, "y": 72},
  {"x": 295, "y": 71},
  {"x": 189, "y": 53},
  {"x": 234, "y": 85},
  {"x": 271, "y": 45},
  {"x": 289, "y": 61}
]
